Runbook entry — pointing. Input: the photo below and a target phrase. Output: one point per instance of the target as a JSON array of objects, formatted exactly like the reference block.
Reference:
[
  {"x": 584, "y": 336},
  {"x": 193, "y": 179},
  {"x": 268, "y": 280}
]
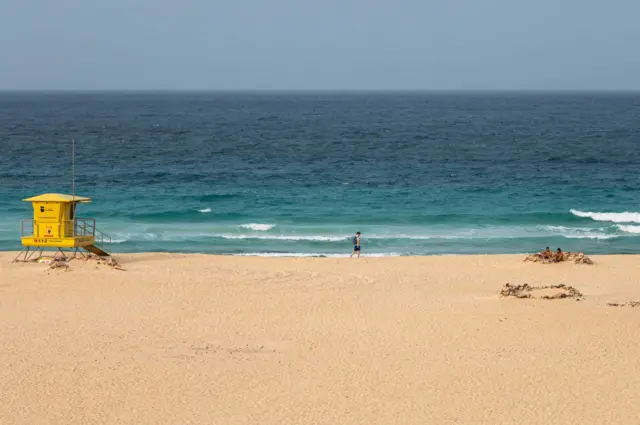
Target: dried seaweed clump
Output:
[
  {"x": 59, "y": 263},
  {"x": 627, "y": 304},
  {"x": 527, "y": 291}
]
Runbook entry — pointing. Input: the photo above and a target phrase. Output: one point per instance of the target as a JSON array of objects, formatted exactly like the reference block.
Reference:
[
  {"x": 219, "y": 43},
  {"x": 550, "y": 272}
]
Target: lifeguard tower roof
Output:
[{"x": 57, "y": 197}]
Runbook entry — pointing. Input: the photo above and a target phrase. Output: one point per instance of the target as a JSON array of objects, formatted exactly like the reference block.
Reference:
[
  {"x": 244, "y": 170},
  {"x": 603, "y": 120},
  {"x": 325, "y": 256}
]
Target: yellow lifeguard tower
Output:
[{"x": 54, "y": 225}]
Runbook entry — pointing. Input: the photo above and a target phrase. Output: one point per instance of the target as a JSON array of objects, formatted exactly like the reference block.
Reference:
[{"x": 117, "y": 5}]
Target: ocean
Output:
[{"x": 298, "y": 174}]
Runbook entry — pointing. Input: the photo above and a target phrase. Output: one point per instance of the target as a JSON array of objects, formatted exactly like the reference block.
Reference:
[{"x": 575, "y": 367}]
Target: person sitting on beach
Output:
[
  {"x": 356, "y": 245},
  {"x": 547, "y": 255},
  {"x": 559, "y": 255}
]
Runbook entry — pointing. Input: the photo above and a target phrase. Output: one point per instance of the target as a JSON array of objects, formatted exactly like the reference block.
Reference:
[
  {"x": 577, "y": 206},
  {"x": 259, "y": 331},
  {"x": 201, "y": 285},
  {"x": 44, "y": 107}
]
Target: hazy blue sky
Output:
[{"x": 321, "y": 44}]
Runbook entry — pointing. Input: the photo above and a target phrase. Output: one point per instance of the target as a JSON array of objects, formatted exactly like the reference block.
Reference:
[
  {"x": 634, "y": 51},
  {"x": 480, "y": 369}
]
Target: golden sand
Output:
[{"x": 196, "y": 339}]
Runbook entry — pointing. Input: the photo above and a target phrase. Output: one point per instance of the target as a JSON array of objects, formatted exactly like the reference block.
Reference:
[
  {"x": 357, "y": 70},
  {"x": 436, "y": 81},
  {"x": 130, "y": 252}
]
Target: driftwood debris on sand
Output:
[{"x": 64, "y": 263}]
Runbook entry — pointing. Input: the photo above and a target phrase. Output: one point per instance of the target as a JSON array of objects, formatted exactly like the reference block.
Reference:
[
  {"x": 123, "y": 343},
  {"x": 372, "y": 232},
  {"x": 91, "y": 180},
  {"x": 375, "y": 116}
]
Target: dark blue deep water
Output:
[{"x": 298, "y": 174}]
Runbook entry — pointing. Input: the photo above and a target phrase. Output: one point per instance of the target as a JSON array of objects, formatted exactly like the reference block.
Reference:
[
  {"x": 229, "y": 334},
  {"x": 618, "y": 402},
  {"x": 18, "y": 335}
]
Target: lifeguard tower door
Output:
[{"x": 50, "y": 219}]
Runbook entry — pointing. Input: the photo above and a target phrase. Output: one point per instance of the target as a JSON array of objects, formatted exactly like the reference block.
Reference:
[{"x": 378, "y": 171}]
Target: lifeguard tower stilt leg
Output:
[{"x": 28, "y": 253}]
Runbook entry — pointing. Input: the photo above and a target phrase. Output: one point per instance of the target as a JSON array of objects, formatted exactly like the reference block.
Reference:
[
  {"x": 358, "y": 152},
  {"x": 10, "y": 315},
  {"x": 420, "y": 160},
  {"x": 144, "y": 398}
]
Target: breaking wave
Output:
[
  {"x": 258, "y": 226},
  {"x": 623, "y": 217},
  {"x": 629, "y": 229}
]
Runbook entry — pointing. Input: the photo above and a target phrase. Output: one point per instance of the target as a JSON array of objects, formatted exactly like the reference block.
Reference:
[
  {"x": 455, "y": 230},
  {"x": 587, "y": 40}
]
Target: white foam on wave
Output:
[
  {"x": 313, "y": 254},
  {"x": 258, "y": 226},
  {"x": 137, "y": 237},
  {"x": 499, "y": 232},
  {"x": 116, "y": 241},
  {"x": 206, "y": 210},
  {"x": 623, "y": 217},
  {"x": 578, "y": 232},
  {"x": 283, "y": 237},
  {"x": 629, "y": 228},
  {"x": 592, "y": 236},
  {"x": 463, "y": 235}
]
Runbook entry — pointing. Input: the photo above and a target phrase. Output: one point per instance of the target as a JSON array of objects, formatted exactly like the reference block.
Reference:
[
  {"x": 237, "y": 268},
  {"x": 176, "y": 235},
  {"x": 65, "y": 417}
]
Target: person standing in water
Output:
[{"x": 356, "y": 245}]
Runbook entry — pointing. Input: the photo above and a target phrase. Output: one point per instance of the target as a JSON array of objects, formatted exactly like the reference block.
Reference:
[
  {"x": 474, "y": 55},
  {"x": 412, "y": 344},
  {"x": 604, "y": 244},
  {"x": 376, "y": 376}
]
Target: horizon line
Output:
[{"x": 319, "y": 91}]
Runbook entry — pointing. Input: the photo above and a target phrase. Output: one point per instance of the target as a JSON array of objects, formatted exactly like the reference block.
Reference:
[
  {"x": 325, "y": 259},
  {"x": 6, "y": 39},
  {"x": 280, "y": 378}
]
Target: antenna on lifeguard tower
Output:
[{"x": 73, "y": 169}]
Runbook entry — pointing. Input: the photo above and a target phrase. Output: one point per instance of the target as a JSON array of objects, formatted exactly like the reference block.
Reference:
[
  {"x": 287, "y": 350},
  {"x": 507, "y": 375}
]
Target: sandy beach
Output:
[{"x": 197, "y": 339}]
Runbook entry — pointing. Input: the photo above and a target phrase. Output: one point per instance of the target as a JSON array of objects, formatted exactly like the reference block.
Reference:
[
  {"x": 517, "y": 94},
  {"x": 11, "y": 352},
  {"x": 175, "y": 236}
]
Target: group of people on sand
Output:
[{"x": 551, "y": 256}]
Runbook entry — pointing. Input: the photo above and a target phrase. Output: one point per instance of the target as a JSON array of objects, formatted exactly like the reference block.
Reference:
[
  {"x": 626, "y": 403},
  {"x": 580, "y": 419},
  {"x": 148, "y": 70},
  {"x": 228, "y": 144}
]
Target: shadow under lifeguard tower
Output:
[{"x": 54, "y": 226}]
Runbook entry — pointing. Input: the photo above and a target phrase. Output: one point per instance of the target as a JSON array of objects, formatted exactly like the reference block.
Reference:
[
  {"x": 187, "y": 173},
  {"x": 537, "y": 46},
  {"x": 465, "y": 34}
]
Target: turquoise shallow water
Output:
[{"x": 298, "y": 174}]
